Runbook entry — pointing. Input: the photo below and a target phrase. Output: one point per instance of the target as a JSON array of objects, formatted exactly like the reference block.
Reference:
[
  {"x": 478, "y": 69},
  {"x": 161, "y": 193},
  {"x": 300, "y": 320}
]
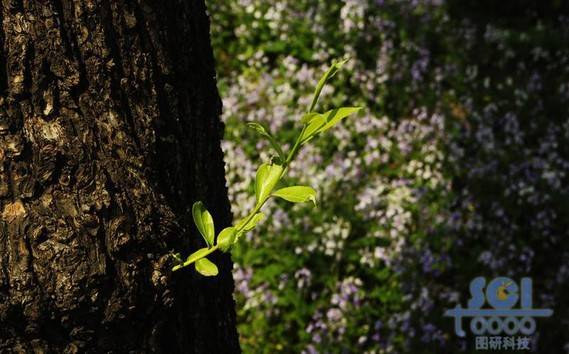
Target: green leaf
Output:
[
  {"x": 297, "y": 194},
  {"x": 334, "y": 68},
  {"x": 337, "y": 66},
  {"x": 206, "y": 267},
  {"x": 320, "y": 122},
  {"x": 202, "y": 252},
  {"x": 307, "y": 117},
  {"x": 251, "y": 224},
  {"x": 267, "y": 177},
  {"x": 261, "y": 130},
  {"x": 334, "y": 116},
  {"x": 313, "y": 127},
  {"x": 226, "y": 238},
  {"x": 204, "y": 222}
]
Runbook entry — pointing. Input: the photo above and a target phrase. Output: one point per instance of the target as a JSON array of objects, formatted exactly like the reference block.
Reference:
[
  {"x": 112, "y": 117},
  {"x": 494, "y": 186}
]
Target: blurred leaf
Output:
[
  {"x": 206, "y": 267},
  {"x": 275, "y": 47},
  {"x": 307, "y": 117},
  {"x": 297, "y": 194},
  {"x": 204, "y": 222}
]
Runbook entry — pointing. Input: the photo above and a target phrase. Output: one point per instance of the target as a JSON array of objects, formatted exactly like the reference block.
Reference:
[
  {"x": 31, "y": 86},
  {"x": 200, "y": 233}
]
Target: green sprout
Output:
[{"x": 267, "y": 177}]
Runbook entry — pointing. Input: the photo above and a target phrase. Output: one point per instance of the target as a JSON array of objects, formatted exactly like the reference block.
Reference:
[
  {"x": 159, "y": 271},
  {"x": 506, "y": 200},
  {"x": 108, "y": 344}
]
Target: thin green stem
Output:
[
  {"x": 295, "y": 148},
  {"x": 251, "y": 215},
  {"x": 185, "y": 264},
  {"x": 278, "y": 148}
]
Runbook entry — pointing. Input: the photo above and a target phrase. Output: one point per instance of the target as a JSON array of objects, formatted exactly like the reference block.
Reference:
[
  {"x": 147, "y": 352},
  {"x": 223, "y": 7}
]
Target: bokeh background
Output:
[{"x": 457, "y": 168}]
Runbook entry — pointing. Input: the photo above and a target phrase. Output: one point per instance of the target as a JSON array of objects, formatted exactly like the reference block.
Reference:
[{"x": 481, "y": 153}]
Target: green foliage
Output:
[
  {"x": 204, "y": 222},
  {"x": 318, "y": 123},
  {"x": 226, "y": 238},
  {"x": 268, "y": 176},
  {"x": 248, "y": 224},
  {"x": 197, "y": 255},
  {"x": 206, "y": 267},
  {"x": 297, "y": 194}
]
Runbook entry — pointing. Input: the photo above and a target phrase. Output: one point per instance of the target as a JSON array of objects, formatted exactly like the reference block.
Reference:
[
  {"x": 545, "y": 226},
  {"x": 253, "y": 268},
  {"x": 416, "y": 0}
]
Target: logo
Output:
[{"x": 499, "y": 326}]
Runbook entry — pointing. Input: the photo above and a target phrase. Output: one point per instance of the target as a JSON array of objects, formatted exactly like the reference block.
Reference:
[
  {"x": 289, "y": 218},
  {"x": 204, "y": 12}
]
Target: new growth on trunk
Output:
[{"x": 267, "y": 178}]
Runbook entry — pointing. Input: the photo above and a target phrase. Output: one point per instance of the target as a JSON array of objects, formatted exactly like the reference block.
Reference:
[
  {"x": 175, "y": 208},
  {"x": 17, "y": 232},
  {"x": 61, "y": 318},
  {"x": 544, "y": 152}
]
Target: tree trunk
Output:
[{"x": 109, "y": 131}]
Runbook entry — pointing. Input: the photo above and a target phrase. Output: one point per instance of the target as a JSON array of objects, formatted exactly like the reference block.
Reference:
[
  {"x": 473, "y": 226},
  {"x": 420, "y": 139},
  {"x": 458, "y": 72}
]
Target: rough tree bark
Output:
[{"x": 109, "y": 130}]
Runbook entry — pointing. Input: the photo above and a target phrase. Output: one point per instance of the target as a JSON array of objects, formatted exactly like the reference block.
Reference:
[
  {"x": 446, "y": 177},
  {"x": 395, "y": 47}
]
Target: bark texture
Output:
[{"x": 109, "y": 131}]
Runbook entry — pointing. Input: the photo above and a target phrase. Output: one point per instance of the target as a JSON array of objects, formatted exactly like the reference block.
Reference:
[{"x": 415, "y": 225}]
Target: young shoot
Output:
[{"x": 269, "y": 174}]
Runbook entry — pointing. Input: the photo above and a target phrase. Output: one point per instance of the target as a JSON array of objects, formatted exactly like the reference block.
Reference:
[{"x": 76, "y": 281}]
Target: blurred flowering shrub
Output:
[{"x": 458, "y": 168}]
